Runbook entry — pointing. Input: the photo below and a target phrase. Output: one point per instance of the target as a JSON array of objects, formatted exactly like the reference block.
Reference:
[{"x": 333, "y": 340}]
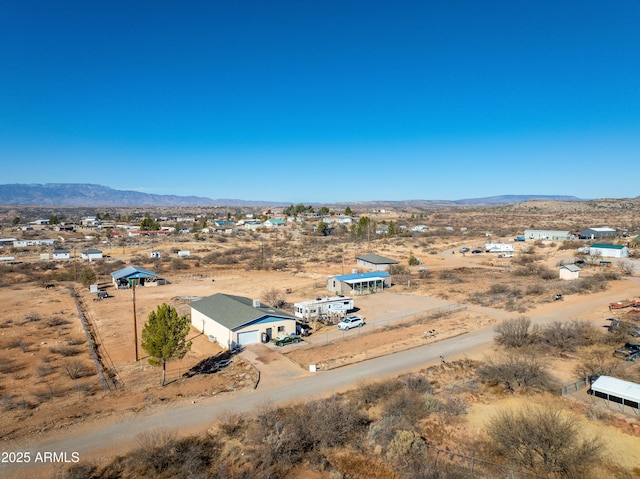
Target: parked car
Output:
[
  {"x": 351, "y": 322},
  {"x": 476, "y": 251},
  {"x": 303, "y": 329},
  {"x": 624, "y": 327},
  {"x": 464, "y": 250},
  {"x": 505, "y": 255},
  {"x": 629, "y": 352},
  {"x": 284, "y": 340}
]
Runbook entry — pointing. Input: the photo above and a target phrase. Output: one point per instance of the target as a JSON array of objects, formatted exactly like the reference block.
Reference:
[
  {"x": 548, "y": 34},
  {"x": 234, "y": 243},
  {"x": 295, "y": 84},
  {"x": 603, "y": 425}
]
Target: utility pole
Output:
[{"x": 135, "y": 322}]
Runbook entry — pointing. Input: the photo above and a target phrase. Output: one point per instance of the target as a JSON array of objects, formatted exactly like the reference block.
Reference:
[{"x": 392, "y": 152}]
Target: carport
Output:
[{"x": 613, "y": 390}]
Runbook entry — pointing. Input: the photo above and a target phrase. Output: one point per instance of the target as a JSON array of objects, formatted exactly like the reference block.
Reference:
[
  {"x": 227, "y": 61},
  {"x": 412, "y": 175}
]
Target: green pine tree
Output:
[{"x": 164, "y": 337}]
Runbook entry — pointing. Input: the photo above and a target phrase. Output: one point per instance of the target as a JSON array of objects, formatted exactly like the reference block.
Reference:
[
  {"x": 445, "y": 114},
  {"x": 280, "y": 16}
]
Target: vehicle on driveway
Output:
[
  {"x": 284, "y": 340},
  {"x": 629, "y": 352},
  {"x": 351, "y": 322},
  {"x": 464, "y": 250},
  {"x": 476, "y": 251}
]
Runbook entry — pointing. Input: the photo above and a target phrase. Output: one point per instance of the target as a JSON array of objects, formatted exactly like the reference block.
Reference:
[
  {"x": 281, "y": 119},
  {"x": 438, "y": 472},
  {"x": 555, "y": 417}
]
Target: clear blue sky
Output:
[{"x": 323, "y": 101}]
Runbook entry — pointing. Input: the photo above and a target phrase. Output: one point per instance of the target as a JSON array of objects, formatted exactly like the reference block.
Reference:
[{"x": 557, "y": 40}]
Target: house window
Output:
[{"x": 281, "y": 329}]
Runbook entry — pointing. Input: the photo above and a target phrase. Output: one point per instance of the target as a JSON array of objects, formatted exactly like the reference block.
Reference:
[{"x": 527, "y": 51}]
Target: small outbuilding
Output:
[
  {"x": 61, "y": 254},
  {"x": 609, "y": 250},
  {"x": 359, "y": 283},
  {"x": 569, "y": 272},
  {"x": 236, "y": 321},
  {"x": 134, "y": 275},
  {"x": 91, "y": 254},
  {"x": 614, "y": 390},
  {"x": 375, "y": 262}
]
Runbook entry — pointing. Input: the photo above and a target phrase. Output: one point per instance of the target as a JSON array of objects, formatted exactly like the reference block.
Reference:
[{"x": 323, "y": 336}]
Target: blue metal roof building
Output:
[{"x": 359, "y": 283}]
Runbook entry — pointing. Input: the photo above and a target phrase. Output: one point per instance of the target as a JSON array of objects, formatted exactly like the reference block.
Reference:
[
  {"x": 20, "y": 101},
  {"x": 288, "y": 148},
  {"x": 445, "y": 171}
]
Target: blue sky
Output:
[{"x": 323, "y": 101}]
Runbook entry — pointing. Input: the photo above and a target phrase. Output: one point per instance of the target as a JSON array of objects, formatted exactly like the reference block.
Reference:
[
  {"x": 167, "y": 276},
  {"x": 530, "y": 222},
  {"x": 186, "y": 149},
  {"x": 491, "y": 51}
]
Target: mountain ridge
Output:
[{"x": 87, "y": 194}]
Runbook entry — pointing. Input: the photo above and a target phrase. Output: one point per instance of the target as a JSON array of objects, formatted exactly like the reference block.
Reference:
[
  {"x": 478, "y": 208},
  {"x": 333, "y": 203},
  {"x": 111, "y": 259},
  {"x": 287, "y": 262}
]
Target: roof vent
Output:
[{"x": 256, "y": 303}]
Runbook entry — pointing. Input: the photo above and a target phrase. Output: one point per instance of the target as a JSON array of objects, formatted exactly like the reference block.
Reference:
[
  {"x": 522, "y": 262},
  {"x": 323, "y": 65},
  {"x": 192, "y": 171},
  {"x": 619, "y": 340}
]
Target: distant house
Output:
[
  {"x": 127, "y": 277},
  {"x": 374, "y": 262},
  {"x": 608, "y": 250},
  {"x": 419, "y": 229},
  {"x": 549, "y": 235},
  {"x": 359, "y": 283},
  {"x": 569, "y": 272},
  {"x": 91, "y": 254},
  {"x": 61, "y": 254},
  {"x": 274, "y": 223},
  {"x": 233, "y": 321},
  {"x": 593, "y": 233}
]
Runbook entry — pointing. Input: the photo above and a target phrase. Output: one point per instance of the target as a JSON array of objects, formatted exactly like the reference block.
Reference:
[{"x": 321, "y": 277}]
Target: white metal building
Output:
[
  {"x": 498, "y": 248},
  {"x": 551, "y": 235},
  {"x": 569, "y": 272},
  {"x": 624, "y": 393},
  {"x": 609, "y": 250}
]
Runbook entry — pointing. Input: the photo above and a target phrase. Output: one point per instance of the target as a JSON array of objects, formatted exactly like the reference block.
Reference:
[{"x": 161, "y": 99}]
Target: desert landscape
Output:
[{"x": 69, "y": 366}]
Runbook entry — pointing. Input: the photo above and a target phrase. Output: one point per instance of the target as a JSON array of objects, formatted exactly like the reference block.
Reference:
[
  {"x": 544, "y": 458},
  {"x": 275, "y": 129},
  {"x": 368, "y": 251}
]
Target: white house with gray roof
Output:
[{"x": 233, "y": 321}]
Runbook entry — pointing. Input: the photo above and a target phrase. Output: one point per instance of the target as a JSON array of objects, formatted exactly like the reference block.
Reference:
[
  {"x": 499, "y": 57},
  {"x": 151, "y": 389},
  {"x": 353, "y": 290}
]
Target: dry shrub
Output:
[
  {"x": 517, "y": 372},
  {"x": 8, "y": 366},
  {"x": 76, "y": 369},
  {"x": 65, "y": 350},
  {"x": 274, "y": 297},
  {"x": 44, "y": 370},
  {"x": 55, "y": 321},
  {"x": 568, "y": 336},
  {"x": 598, "y": 361},
  {"x": 544, "y": 441},
  {"x": 369, "y": 394},
  {"x": 514, "y": 333},
  {"x": 383, "y": 431},
  {"x": 408, "y": 404}
]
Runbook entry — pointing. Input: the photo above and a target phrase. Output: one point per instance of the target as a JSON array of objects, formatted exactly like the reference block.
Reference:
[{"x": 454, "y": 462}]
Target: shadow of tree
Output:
[{"x": 210, "y": 365}]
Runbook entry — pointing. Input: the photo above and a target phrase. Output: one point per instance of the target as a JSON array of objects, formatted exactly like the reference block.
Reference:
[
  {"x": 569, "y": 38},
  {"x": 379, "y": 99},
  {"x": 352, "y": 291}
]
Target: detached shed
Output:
[
  {"x": 569, "y": 272},
  {"x": 91, "y": 254},
  {"x": 233, "y": 321},
  {"x": 624, "y": 393},
  {"x": 375, "y": 262}
]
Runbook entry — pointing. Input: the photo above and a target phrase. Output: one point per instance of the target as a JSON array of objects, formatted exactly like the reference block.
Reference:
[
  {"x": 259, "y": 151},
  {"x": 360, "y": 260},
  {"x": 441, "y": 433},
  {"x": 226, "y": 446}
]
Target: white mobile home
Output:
[
  {"x": 498, "y": 248},
  {"x": 319, "y": 307}
]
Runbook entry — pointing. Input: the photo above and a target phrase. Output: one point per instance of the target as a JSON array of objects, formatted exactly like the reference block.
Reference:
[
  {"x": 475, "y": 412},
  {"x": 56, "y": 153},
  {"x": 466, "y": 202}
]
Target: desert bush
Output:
[
  {"x": 498, "y": 288},
  {"x": 547, "y": 274},
  {"x": 406, "y": 403},
  {"x": 8, "y": 366},
  {"x": 514, "y": 333},
  {"x": 535, "y": 289},
  {"x": 544, "y": 441},
  {"x": 369, "y": 394},
  {"x": 417, "y": 383},
  {"x": 573, "y": 245},
  {"x": 84, "y": 470},
  {"x": 44, "y": 370},
  {"x": 64, "y": 350},
  {"x": 396, "y": 269},
  {"x": 76, "y": 341},
  {"x": 449, "y": 276},
  {"x": 404, "y": 447},
  {"x": 274, "y": 297},
  {"x": 178, "y": 264},
  {"x": 383, "y": 431},
  {"x": 54, "y": 321},
  {"x": 233, "y": 426},
  {"x": 517, "y": 372},
  {"x": 31, "y": 318},
  {"x": 598, "y": 361},
  {"x": 76, "y": 369},
  {"x": 431, "y": 403},
  {"x": 568, "y": 336},
  {"x": 49, "y": 392},
  {"x": 454, "y": 406},
  {"x": 18, "y": 343}
]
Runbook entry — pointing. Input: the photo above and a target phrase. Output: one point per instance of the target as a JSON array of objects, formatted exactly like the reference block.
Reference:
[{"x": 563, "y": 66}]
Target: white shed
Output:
[
  {"x": 569, "y": 272},
  {"x": 609, "y": 250}
]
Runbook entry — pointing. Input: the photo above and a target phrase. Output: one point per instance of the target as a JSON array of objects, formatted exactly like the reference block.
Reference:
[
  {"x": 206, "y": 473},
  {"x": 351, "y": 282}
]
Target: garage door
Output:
[{"x": 248, "y": 337}]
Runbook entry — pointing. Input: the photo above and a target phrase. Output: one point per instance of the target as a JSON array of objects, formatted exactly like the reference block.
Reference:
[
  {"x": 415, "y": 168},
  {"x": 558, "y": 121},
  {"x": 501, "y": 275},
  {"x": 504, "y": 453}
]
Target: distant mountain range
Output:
[{"x": 71, "y": 194}]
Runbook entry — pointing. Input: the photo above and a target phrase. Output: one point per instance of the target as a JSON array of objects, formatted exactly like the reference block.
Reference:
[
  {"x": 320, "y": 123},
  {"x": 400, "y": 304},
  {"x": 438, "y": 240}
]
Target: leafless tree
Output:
[{"x": 514, "y": 333}]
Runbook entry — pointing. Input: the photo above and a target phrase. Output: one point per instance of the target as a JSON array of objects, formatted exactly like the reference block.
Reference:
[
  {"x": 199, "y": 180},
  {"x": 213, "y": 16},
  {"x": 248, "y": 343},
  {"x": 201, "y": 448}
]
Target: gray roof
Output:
[
  {"x": 234, "y": 311},
  {"x": 91, "y": 251},
  {"x": 571, "y": 267},
  {"x": 376, "y": 259},
  {"x": 60, "y": 251}
]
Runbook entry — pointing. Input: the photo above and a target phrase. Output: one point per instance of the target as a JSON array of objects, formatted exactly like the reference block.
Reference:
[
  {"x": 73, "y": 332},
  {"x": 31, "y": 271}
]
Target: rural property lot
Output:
[{"x": 53, "y": 396}]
